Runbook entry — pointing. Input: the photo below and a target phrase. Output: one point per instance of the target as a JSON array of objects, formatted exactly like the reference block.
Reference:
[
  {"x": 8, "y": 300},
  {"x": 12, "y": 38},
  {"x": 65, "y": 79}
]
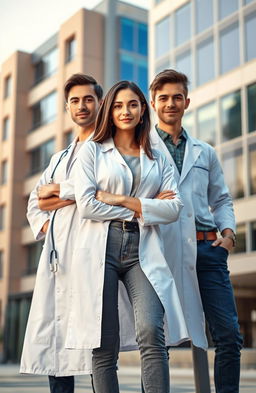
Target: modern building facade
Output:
[
  {"x": 213, "y": 42},
  {"x": 34, "y": 125}
]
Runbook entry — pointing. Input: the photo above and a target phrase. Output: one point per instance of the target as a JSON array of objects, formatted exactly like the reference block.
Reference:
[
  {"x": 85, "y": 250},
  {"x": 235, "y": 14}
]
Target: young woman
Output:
[{"x": 118, "y": 177}]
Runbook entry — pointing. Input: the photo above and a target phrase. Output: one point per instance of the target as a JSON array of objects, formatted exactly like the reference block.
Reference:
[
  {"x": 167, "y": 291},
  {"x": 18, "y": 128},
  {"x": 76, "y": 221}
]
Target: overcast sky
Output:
[{"x": 26, "y": 24}]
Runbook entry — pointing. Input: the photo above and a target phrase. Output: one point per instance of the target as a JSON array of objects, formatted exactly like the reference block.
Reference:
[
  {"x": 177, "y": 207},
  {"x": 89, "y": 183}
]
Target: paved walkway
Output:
[{"x": 129, "y": 378}]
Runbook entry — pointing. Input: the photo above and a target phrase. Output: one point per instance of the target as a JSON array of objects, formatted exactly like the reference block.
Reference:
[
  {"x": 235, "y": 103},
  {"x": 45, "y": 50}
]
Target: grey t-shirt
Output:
[{"x": 134, "y": 165}]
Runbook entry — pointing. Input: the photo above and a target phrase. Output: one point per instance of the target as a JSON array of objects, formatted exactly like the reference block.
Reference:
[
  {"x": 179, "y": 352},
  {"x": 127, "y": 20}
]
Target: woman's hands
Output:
[{"x": 120, "y": 200}]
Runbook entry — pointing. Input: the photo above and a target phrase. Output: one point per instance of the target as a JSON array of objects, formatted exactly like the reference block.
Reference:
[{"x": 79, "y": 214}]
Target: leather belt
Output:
[
  {"x": 129, "y": 226},
  {"x": 206, "y": 235}
]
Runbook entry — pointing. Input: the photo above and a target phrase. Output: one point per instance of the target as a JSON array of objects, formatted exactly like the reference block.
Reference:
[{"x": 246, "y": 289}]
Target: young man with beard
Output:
[
  {"x": 191, "y": 244},
  {"x": 52, "y": 215}
]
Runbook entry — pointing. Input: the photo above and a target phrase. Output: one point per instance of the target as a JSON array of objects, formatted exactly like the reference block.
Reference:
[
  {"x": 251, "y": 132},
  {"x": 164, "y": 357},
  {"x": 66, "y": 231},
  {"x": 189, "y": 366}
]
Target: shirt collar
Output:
[{"x": 164, "y": 136}]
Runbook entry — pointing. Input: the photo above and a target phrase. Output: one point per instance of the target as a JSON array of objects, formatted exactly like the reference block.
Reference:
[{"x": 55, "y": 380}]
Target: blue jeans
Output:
[
  {"x": 61, "y": 384},
  {"x": 221, "y": 315},
  {"x": 122, "y": 263}
]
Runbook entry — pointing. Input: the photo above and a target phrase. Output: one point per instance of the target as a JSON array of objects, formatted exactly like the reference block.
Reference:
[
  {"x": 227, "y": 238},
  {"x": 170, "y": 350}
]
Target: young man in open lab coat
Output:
[{"x": 52, "y": 215}]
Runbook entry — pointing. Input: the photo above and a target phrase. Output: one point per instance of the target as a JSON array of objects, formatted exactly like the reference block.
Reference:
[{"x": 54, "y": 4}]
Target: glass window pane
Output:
[
  {"x": 229, "y": 48},
  {"x": 231, "y": 116},
  {"x": 4, "y": 172},
  {"x": 253, "y": 235},
  {"x": 1, "y": 264},
  {"x": 204, "y": 14},
  {"x": 248, "y": 1},
  {"x": 183, "y": 24},
  {"x": 45, "y": 110},
  {"x": 143, "y": 39},
  {"x": 233, "y": 172},
  {"x": 70, "y": 49},
  {"x": 226, "y": 7},
  {"x": 2, "y": 217},
  {"x": 252, "y": 168},
  {"x": 143, "y": 77},
  {"x": 184, "y": 64},
  {"x": 162, "y": 66},
  {"x": 250, "y": 33},
  {"x": 127, "y": 34},
  {"x": 6, "y": 129},
  {"x": 47, "y": 152},
  {"x": 188, "y": 122},
  {"x": 7, "y": 86},
  {"x": 251, "y": 103},
  {"x": 205, "y": 61},
  {"x": 47, "y": 65},
  {"x": 162, "y": 38},
  {"x": 240, "y": 239},
  {"x": 206, "y": 123},
  {"x": 127, "y": 68}
]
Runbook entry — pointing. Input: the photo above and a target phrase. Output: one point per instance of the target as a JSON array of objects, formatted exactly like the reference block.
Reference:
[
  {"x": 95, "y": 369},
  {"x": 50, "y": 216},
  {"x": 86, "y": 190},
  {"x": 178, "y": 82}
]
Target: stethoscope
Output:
[{"x": 54, "y": 253}]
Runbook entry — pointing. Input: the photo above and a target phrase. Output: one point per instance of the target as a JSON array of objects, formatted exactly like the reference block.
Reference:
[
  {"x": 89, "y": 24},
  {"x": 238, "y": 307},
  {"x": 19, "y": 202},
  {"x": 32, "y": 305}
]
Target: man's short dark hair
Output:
[
  {"x": 82, "y": 79},
  {"x": 168, "y": 76}
]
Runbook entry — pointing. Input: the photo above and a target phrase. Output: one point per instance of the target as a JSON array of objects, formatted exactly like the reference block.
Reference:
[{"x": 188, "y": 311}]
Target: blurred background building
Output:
[
  {"x": 34, "y": 125},
  {"x": 212, "y": 41}
]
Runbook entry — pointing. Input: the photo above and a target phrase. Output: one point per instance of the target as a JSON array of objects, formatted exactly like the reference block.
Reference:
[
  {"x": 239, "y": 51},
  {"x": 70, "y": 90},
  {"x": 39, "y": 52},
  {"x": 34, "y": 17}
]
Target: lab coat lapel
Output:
[
  {"x": 158, "y": 144},
  {"x": 192, "y": 151}
]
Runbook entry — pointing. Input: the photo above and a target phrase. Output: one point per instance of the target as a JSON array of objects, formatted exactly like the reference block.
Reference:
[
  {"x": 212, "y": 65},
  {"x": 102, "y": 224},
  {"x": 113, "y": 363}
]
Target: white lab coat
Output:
[
  {"x": 201, "y": 185},
  {"x": 100, "y": 166},
  {"x": 44, "y": 351}
]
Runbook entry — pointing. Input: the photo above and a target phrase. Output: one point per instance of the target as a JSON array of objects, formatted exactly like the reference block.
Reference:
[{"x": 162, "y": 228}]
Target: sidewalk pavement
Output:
[{"x": 182, "y": 381}]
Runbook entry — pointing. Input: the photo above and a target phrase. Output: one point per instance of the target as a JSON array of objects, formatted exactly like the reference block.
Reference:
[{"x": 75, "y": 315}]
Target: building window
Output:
[
  {"x": 247, "y": 1},
  {"x": 1, "y": 263},
  {"x": 142, "y": 39},
  {"x": 46, "y": 66},
  {"x": 2, "y": 217},
  {"x": 6, "y": 129},
  {"x": 33, "y": 255},
  {"x": 227, "y": 7},
  {"x": 4, "y": 172},
  {"x": 229, "y": 48},
  {"x": 184, "y": 64},
  {"x": 44, "y": 111},
  {"x": 231, "y": 116},
  {"x": 133, "y": 36},
  {"x": 127, "y": 34},
  {"x": 7, "y": 86},
  {"x": 183, "y": 24},
  {"x": 204, "y": 14},
  {"x": 205, "y": 61},
  {"x": 253, "y": 234},
  {"x": 163, "y": 31},
  {"x": 251, "y": 104},
  {"x": 240, "y": 239},
  {"x": 70, "y": 49},
  {"x": 233, "y": 171},
  {"x": 135, "y": 70},
  {"x": 188, "y": 122},
  {"x": 250, "y": 29},
  {"x": 206, "y": 123},
  {"x": 252, "y": 168},
  {"x": 40, "y": 157}
]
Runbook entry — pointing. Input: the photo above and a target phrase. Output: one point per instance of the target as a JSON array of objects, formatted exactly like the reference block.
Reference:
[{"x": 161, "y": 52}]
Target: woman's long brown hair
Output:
[{"x": 104, "y": 127}]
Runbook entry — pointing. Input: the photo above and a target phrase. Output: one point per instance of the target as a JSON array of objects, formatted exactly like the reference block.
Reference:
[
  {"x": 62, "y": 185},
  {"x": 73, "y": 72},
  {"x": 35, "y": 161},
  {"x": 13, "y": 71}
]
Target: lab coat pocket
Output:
[{"x": 200, "y": 180}]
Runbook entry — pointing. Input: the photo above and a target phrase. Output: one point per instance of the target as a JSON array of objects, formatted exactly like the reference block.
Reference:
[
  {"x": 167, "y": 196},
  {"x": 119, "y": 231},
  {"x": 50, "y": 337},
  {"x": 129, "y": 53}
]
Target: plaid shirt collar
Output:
[{"x": 164, "y": 136}]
